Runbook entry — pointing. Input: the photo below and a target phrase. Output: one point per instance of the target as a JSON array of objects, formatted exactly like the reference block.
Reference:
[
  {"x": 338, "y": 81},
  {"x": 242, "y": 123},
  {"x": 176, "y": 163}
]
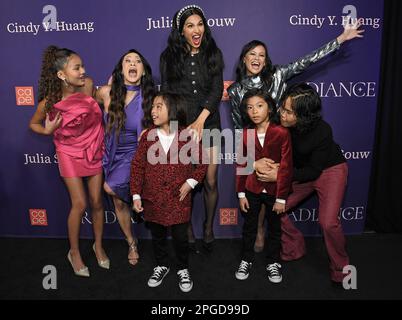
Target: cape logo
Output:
[
  {"x": 24, "y": 96},
  {"x": 38, "y": 217},
  {"x": 228, "y": 216}
]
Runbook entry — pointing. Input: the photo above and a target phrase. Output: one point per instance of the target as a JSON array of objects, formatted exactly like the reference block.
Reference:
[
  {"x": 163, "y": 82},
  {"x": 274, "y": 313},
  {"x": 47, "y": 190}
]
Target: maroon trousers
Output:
[{"x": 330, "y": 188}]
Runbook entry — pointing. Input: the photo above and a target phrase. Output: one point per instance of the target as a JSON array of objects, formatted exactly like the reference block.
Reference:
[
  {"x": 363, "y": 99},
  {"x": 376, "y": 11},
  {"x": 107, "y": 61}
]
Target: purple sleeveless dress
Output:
[{"x": 119, "y": 151}]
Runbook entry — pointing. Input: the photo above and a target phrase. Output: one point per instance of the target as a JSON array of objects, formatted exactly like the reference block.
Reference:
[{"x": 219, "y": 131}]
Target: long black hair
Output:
[
  {"x": 266, "y": 97},
  {"x": 117, "y": 116},
  {"x": 172, "y": 58},
  {"x": 306, "y": 104},
  {"x": 266, "y": 72}
]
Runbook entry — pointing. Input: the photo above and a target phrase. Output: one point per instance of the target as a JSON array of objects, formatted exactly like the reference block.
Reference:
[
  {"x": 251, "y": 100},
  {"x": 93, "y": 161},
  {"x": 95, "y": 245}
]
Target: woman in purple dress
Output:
[{"x": 124, "y": 101}]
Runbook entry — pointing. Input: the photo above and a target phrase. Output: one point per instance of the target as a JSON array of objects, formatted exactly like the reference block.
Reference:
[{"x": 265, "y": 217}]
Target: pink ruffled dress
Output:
[{"x": 79, "y": 139}]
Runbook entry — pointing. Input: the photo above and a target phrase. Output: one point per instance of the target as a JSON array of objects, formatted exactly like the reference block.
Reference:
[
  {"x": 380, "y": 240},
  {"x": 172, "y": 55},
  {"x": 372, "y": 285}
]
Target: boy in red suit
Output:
[
  {"x": 162, "y": 176},
  {"x": 273, "y": 140}
]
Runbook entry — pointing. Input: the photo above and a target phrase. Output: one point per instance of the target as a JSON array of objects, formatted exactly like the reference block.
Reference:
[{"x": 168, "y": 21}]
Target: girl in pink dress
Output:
[{"x": 75, "y": 120}]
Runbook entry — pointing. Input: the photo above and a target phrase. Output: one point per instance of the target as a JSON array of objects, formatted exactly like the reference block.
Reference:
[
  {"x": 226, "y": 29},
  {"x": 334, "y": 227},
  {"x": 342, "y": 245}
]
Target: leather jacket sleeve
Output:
[{"x": 235, "y": 100}]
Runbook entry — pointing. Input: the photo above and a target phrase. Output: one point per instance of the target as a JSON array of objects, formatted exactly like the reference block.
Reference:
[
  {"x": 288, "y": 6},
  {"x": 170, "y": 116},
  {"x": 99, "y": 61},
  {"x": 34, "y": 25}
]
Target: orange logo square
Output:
[
  {"x": 228, "y": 216},
  {"x": 225, "y": 95},
  {"x": 24, "y": 96},
  {"x": 38, "y": 217}
]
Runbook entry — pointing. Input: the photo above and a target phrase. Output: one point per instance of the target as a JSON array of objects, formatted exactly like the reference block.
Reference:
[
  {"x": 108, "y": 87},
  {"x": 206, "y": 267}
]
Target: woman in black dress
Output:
[{"x": 192, "y": 66}]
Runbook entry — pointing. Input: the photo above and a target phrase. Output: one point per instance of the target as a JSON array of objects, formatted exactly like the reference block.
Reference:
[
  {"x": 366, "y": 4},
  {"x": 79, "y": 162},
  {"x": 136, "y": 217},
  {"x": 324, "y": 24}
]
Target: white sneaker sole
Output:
[
  {"x": 239, "y": 277},
  {"x": 275, "y": 280},
  {"x": 186, "y": 289}
]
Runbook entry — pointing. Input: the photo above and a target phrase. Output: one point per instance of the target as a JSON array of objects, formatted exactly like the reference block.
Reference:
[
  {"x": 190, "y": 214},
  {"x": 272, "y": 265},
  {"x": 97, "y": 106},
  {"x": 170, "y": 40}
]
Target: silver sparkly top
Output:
[{"x": 278, "y": 86}]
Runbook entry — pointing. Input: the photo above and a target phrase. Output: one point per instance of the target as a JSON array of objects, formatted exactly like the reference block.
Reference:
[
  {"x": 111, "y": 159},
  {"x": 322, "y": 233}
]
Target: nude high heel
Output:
[
  {"x": 83, "y": 272},
  {"x": 105, "y": 264}
]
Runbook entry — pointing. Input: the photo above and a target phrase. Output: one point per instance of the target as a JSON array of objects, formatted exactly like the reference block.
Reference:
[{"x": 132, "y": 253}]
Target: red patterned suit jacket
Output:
[
  {"x": 278, "y": 147},
  {"x": 158, "y": 184}
]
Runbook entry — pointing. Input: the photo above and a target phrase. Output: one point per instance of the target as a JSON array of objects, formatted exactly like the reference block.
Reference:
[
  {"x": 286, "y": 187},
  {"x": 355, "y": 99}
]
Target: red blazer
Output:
[
  {"x": 278, "y": 147},
  {"x": 158, "y": 184}
]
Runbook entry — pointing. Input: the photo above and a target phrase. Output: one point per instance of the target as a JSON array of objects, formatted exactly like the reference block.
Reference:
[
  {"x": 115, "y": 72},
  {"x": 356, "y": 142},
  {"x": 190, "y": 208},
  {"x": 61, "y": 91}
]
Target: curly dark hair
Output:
[
  {"x": 176, "y": 105},
  {"x": 266, "y": 72},
  {"x": 172, "y": 58},
  {"x": 257, "y": 93},
  {"x": 116, "y": 114},
  {"x": 306, "y": 104},
  {"x": 54, "y": 60}
]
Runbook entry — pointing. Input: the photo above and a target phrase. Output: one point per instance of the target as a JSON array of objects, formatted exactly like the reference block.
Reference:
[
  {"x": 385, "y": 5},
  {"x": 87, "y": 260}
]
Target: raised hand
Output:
[{"x": 351, "y": 31}]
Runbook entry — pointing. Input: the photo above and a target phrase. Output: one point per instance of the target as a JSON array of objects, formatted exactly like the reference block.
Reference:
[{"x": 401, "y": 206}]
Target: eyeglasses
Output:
[{"x": 281, "y": 110}]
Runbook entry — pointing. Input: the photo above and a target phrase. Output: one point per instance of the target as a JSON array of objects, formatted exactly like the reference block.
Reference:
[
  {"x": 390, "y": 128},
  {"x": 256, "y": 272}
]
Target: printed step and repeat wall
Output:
[{"x": 34, "y": 200}]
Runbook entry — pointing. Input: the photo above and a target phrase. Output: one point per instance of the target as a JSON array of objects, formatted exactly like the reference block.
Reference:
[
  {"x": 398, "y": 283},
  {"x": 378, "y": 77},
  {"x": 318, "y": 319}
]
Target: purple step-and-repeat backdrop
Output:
[{"x": 34, "y": 200}]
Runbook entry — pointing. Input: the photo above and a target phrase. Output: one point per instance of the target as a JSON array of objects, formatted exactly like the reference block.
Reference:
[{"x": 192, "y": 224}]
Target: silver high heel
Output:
[
  {"x": 105, "y": 264},
  {"x": 132, "y": 248},
  {"x": 83, "y": 272}
]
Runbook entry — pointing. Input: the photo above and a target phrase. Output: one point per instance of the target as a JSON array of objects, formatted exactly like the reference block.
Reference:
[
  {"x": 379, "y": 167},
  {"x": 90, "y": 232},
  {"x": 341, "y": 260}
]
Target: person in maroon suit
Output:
[
  {"x": 268, "y": 140},
  {"x": 163, "y": 173},
  {"x": 319, "y": 167}
]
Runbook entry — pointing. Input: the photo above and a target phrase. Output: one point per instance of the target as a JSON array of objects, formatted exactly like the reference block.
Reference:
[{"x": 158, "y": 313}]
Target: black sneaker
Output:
[
  {"x": 157, "y": 276},
  {"x": 243, "y": 271},
  {"x": 274, "y": 272},
  {"x": 185, "y": 282}
]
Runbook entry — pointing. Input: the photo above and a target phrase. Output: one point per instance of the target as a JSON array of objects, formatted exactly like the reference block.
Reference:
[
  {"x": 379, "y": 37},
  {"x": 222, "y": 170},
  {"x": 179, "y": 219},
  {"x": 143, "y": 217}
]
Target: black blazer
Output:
[{"x": 199, "y": 89}]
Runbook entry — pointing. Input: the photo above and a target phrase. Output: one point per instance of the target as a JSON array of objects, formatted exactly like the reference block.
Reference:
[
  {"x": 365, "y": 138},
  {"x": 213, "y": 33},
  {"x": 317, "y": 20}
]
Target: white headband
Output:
[{"x": 191, "y": 6}]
